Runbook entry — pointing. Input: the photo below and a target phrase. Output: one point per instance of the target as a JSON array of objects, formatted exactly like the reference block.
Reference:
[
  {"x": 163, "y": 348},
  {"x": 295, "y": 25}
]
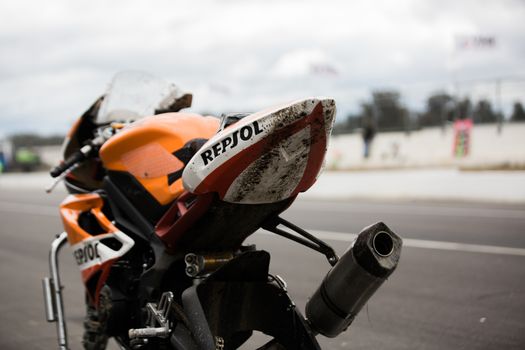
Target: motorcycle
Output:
[{"x": 160, "y": 205}]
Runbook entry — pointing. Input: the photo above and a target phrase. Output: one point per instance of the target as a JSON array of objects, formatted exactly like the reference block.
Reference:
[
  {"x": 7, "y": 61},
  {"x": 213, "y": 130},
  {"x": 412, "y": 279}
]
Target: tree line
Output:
[{"x": 384, "y": 111}]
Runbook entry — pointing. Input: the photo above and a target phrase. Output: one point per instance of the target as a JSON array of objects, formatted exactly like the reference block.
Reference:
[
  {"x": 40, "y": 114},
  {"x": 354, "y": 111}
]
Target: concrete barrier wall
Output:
[
  {"x": 50, "y": 155},
  {"x": 430, "y": 147}
]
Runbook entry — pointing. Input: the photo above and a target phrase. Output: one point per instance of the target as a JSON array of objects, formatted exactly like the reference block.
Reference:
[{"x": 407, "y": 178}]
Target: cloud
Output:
[
  {"x": 58, "y": 56},
  {"x": 303, "y": 62}
]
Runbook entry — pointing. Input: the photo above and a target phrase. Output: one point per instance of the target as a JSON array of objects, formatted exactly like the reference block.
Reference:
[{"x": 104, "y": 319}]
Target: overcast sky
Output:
[{"x": 57, "y": 57}]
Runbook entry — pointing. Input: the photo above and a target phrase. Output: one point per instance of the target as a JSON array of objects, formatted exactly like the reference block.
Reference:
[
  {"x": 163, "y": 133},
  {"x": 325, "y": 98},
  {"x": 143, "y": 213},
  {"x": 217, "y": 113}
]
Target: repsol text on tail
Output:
[{"x": 245, "y": 133}]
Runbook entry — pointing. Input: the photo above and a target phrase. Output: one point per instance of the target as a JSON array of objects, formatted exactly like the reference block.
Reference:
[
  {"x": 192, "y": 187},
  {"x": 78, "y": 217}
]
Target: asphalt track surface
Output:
[{"x": 460, "y": 283}]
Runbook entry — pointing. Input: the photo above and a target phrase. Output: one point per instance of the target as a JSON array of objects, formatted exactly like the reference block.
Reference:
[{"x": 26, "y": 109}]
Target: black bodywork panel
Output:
[
  {"x": 238, "y": 299},
  {"x": 225, "y": 225}
]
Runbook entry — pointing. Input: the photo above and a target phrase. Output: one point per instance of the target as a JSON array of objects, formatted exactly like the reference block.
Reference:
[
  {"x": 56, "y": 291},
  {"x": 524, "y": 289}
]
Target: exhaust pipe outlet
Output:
[{"x": 353, "y": 280}]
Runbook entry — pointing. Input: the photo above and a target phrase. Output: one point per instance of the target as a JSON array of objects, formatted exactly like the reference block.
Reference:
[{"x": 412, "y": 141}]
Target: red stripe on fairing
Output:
[
  {"x": 179, "y": 218},
  {"x": 221, "y": 178},
  {"x": 90, "y": 272},
  {"x": 316, "y": 154}
]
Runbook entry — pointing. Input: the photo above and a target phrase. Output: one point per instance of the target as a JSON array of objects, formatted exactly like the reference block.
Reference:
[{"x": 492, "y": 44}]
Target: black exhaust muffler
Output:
[{"x": 353, "y": 280}]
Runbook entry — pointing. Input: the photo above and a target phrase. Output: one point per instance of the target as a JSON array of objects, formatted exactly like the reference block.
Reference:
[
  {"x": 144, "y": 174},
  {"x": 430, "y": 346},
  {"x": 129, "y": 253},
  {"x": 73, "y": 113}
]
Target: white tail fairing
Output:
[{"x": 265, "y": 157}]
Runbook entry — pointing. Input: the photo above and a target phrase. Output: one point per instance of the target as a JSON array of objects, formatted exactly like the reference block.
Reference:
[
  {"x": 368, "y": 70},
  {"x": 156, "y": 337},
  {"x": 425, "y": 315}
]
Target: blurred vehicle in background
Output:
[
  {"x": 26, "y": 159},
  {"x": 6, "y": 154},
  {"x": 29, "y": 152}
]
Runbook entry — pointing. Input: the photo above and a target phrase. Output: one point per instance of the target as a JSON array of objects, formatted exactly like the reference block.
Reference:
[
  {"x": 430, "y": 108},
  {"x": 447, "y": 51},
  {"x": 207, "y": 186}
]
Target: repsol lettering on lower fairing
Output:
[
  {"x": 87, "y": 253},
  {"x": 245, "y": 133}
]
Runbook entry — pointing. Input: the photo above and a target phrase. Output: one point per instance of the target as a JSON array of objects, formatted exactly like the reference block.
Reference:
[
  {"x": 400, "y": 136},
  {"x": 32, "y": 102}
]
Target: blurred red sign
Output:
[{"x": 462, "y": 133}]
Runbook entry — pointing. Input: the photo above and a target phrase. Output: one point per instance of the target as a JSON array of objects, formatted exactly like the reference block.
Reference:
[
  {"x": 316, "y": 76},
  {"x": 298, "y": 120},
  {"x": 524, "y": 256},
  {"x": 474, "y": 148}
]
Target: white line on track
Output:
[
  {"x": 410, "y": 210},
  {"x": 46, "y": 210},
  {"x": 425, "y": 244}
]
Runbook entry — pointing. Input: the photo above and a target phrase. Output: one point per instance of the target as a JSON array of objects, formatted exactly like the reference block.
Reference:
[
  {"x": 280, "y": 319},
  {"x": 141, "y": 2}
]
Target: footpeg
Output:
[{"x": 158, "y": 324}]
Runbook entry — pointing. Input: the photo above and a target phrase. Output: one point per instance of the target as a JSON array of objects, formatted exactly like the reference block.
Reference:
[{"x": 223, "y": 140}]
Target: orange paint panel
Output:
[
  {"x": 145, "y": 149},
  {"x": 159, "y": 188},
  {"x": 70, "y": 210},
  {"x": 150, "y": 161},
  {"x": 177, "y": 187}
]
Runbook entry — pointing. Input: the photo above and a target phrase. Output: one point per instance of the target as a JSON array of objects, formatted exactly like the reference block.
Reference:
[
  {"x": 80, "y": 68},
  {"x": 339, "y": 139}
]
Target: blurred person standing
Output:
[{"x": 368, "y": 133}]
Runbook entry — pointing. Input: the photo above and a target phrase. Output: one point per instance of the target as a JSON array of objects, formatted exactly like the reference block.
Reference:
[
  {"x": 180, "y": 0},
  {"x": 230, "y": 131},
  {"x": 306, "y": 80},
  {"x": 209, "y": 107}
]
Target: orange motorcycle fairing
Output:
[
  {"x": 95, "y": 241},
  {"x": 154, "y": 150}
]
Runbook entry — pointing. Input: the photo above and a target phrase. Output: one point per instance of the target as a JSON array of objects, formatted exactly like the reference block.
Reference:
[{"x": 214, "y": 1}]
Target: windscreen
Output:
[{"x": 133, "y": 95}]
